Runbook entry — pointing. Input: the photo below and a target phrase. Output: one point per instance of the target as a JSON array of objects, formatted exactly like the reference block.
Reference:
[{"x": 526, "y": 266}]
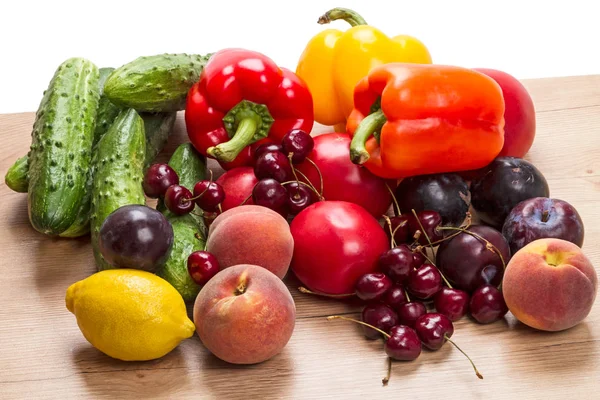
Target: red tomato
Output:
[
  {"x": 343, "y": 180},
  {"x": 519, "y": 114},
  {"x": 335, "y": 243},
  {"x": 237, "y": 184}
]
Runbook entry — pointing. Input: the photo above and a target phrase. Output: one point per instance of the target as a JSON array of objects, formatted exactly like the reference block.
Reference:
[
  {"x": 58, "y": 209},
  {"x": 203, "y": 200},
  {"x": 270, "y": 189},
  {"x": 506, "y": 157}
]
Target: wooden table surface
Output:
[{"x": 44, "y": 355}]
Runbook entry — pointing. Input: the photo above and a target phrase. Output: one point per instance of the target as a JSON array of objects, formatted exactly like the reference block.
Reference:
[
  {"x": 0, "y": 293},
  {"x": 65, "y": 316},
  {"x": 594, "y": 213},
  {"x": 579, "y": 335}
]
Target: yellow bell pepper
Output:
[{"x": 333, "y": 62}]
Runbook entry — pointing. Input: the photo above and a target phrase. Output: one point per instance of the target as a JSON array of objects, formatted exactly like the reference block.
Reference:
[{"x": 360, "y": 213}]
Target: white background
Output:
[{"x": 527, "y": 38}]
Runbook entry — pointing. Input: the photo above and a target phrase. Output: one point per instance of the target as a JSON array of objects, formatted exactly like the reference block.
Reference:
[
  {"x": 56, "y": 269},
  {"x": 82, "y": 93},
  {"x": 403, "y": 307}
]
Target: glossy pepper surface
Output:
[
  {"x": 333, "y": 62},
  {"x": 243, "y": 97},
  {"x": 414, "y": 119}
]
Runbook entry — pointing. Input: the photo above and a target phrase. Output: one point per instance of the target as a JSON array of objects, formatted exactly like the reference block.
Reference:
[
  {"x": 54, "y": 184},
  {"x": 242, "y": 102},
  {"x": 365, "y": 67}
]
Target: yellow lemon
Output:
[{"x": 128, "y": 314}]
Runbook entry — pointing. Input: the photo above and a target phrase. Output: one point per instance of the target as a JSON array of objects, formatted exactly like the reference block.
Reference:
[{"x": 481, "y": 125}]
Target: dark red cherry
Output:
[
  {"x": 157, "y": 180},
  {"x": 397, "y": 263},
  {"x": 177, "y": 200},
  {"x": 453, "y": 303},
  {"x": 408, "y": 313},
  {"x": 403, "y": 344},
  {"x": 373, "y": 286},
  {"x": 487, "y": 304},
  {"x": 380, "y": 316},
  {"x": 425, "y": 282}
]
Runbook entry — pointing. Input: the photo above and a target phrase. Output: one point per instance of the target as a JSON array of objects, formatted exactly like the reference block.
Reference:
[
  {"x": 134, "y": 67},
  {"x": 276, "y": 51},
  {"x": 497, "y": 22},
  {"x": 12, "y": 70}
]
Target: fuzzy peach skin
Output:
[
  {"x": 244, "y": 314},
  {"x": 550, "y": 285},
  {"x": 252, "y": 235}
]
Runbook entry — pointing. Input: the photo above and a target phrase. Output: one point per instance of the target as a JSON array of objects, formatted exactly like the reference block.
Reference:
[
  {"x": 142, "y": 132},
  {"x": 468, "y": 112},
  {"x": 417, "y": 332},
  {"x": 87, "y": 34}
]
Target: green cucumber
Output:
[
  {"x": 157, "y": 83},
  {"x": 158, "y": 127},
  {"x": 107, "y": 111},
  {"x": 61, "y": 148},
  {"x": 119, "y": 164},
  {"x": 188, "y": 231},
  {"x": 16, "y": 176}
]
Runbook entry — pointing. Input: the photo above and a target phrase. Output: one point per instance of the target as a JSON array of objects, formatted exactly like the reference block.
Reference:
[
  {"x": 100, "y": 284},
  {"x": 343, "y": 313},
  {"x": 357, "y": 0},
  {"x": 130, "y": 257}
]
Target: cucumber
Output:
[
  {"x": 188, "y": 231},
  {"x": 187, "y": 238},
  {"x": 16, "y": 176},
  {"x": 157, "y": 83},
  {"x": 61, "y": 148},
  {"x": 119, "y": 164},
  {"x": 158, "y": 127},
  {"x": 107, "y": 111}
]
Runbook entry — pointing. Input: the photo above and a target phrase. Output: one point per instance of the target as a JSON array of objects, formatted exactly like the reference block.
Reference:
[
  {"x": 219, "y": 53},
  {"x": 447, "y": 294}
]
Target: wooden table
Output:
[{"x": 44, "y": 355}]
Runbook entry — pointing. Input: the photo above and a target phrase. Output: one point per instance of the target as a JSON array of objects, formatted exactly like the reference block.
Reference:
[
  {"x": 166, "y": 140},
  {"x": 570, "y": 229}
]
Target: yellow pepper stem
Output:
[
  {"x": 368, "y": 126},
  {"x": 350, "y": 16}
]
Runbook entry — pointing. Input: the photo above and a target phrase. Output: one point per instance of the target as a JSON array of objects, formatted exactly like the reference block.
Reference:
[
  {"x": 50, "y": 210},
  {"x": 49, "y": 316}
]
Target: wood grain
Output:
[{"x": 44, "y": 355}]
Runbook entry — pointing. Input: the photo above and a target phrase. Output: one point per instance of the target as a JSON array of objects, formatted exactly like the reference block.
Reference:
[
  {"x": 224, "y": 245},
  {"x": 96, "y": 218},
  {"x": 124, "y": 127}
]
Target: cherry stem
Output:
[
  {"x": 465, "y": 354},
  {"x": 246, "y": 199},
  {"x": 545, "y": 216},
  {"x": 388, "y": 222},
  {"x": 305, "y": 184},
  {"x": 397, "y": 209},
  {"x": 319, "y": 172},
  {"x": 220, "y": 208},
  {"x": 332, "y": 317},
  {"x": 406, "y": 295},
  {"x": 198, "y": 236},
  {"x": 302, "y": 289},
  {"x": 309, "y": 184},
  {"x": 386, "y": 379},
  {"x": 204, "y": 191},
  {"x": 423, "y": 230}
]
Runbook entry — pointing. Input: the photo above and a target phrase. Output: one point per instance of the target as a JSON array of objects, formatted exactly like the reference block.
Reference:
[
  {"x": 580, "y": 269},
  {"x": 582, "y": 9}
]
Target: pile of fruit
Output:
[{"x": 382, "y": 208}]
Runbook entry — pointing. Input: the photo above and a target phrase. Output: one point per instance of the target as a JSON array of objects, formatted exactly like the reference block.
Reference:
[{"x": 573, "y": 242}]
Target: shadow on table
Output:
[
  {"x": 105, "y": 376},
  {"x": 271, "y": 379},
  {"x": 564, "y": 352}
]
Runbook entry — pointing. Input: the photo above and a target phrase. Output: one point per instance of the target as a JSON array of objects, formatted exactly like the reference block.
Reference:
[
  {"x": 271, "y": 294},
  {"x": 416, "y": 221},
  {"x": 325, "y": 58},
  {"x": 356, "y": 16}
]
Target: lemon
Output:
[{"x": 128, "y": 314}]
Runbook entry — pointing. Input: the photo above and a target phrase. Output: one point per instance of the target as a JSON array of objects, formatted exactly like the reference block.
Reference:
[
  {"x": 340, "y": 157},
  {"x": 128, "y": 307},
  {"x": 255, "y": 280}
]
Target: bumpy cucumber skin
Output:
[
  {"x": 188, "y": 231},
  {"x": 157, "y": 83},
  {"x": 61, "y": 146},
  {"x": 187, "y": 238},
  {"x": 16, "y": 177},
  {"x": 158, "y": 127},
  {"x": 119, "y": 165},
  {"x": 107, "y": 111}
]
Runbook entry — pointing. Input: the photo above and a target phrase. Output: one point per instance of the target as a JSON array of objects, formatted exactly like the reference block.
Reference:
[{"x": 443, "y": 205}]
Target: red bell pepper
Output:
[{"x": 243, "y": 97}]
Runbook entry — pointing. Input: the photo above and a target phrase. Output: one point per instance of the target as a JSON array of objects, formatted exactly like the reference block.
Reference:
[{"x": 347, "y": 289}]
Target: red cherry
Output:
[{"x": 202, "y": 266}]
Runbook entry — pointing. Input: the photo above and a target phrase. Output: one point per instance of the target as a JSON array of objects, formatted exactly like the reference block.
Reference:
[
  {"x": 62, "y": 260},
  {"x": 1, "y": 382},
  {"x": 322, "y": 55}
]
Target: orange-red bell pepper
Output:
[{"x": 431, "y": 119}]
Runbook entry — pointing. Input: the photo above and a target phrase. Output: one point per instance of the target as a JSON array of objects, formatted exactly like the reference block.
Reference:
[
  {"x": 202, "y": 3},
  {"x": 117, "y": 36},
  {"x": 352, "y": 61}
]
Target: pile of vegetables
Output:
[{"x": 377, "y": 208}]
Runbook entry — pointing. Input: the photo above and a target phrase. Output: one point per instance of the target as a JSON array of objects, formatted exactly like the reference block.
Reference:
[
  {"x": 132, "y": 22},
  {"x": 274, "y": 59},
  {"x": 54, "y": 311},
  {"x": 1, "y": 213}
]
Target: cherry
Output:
[
  {"x": 403, "y": 344},
  {"x": 202, "y": 266},
  {"x": 427, "y": 222},
  {"x": 434, "y": 330},
  {"x": 265, "y": 148},
  {"x": 399, "y": 227},
  {"x": 397, "y": 263},
  {"x": 299, "y": 143},
  {"x": 208, "y": 195},
  {"x": 273, "y": 164},
  {"x": 177, "y": 200},
  {"x": 372, "y": 286},
  {"x": 419, "y": 259},
  {"x": 157, "y": 180},
  {"x": 425, "y": 281},
  {"x": 271, "y": 194},
  {"x": 409, "y": 312},
  {"x": 490, "y": 275},
  {"x": 487, "y": 304},
  {"x": 453, "y": 303},
  {"x": 379, "y": 316},
  {"x": 395, "y": 297},
  {"x": 299, "y": 197}
]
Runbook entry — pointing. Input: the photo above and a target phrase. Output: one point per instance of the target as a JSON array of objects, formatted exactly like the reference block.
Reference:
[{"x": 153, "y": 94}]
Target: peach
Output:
[
  {"x": 252, "y": 235},
  {"x": 550, "y": 285},
  {"x": 244, "y": 314}
]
